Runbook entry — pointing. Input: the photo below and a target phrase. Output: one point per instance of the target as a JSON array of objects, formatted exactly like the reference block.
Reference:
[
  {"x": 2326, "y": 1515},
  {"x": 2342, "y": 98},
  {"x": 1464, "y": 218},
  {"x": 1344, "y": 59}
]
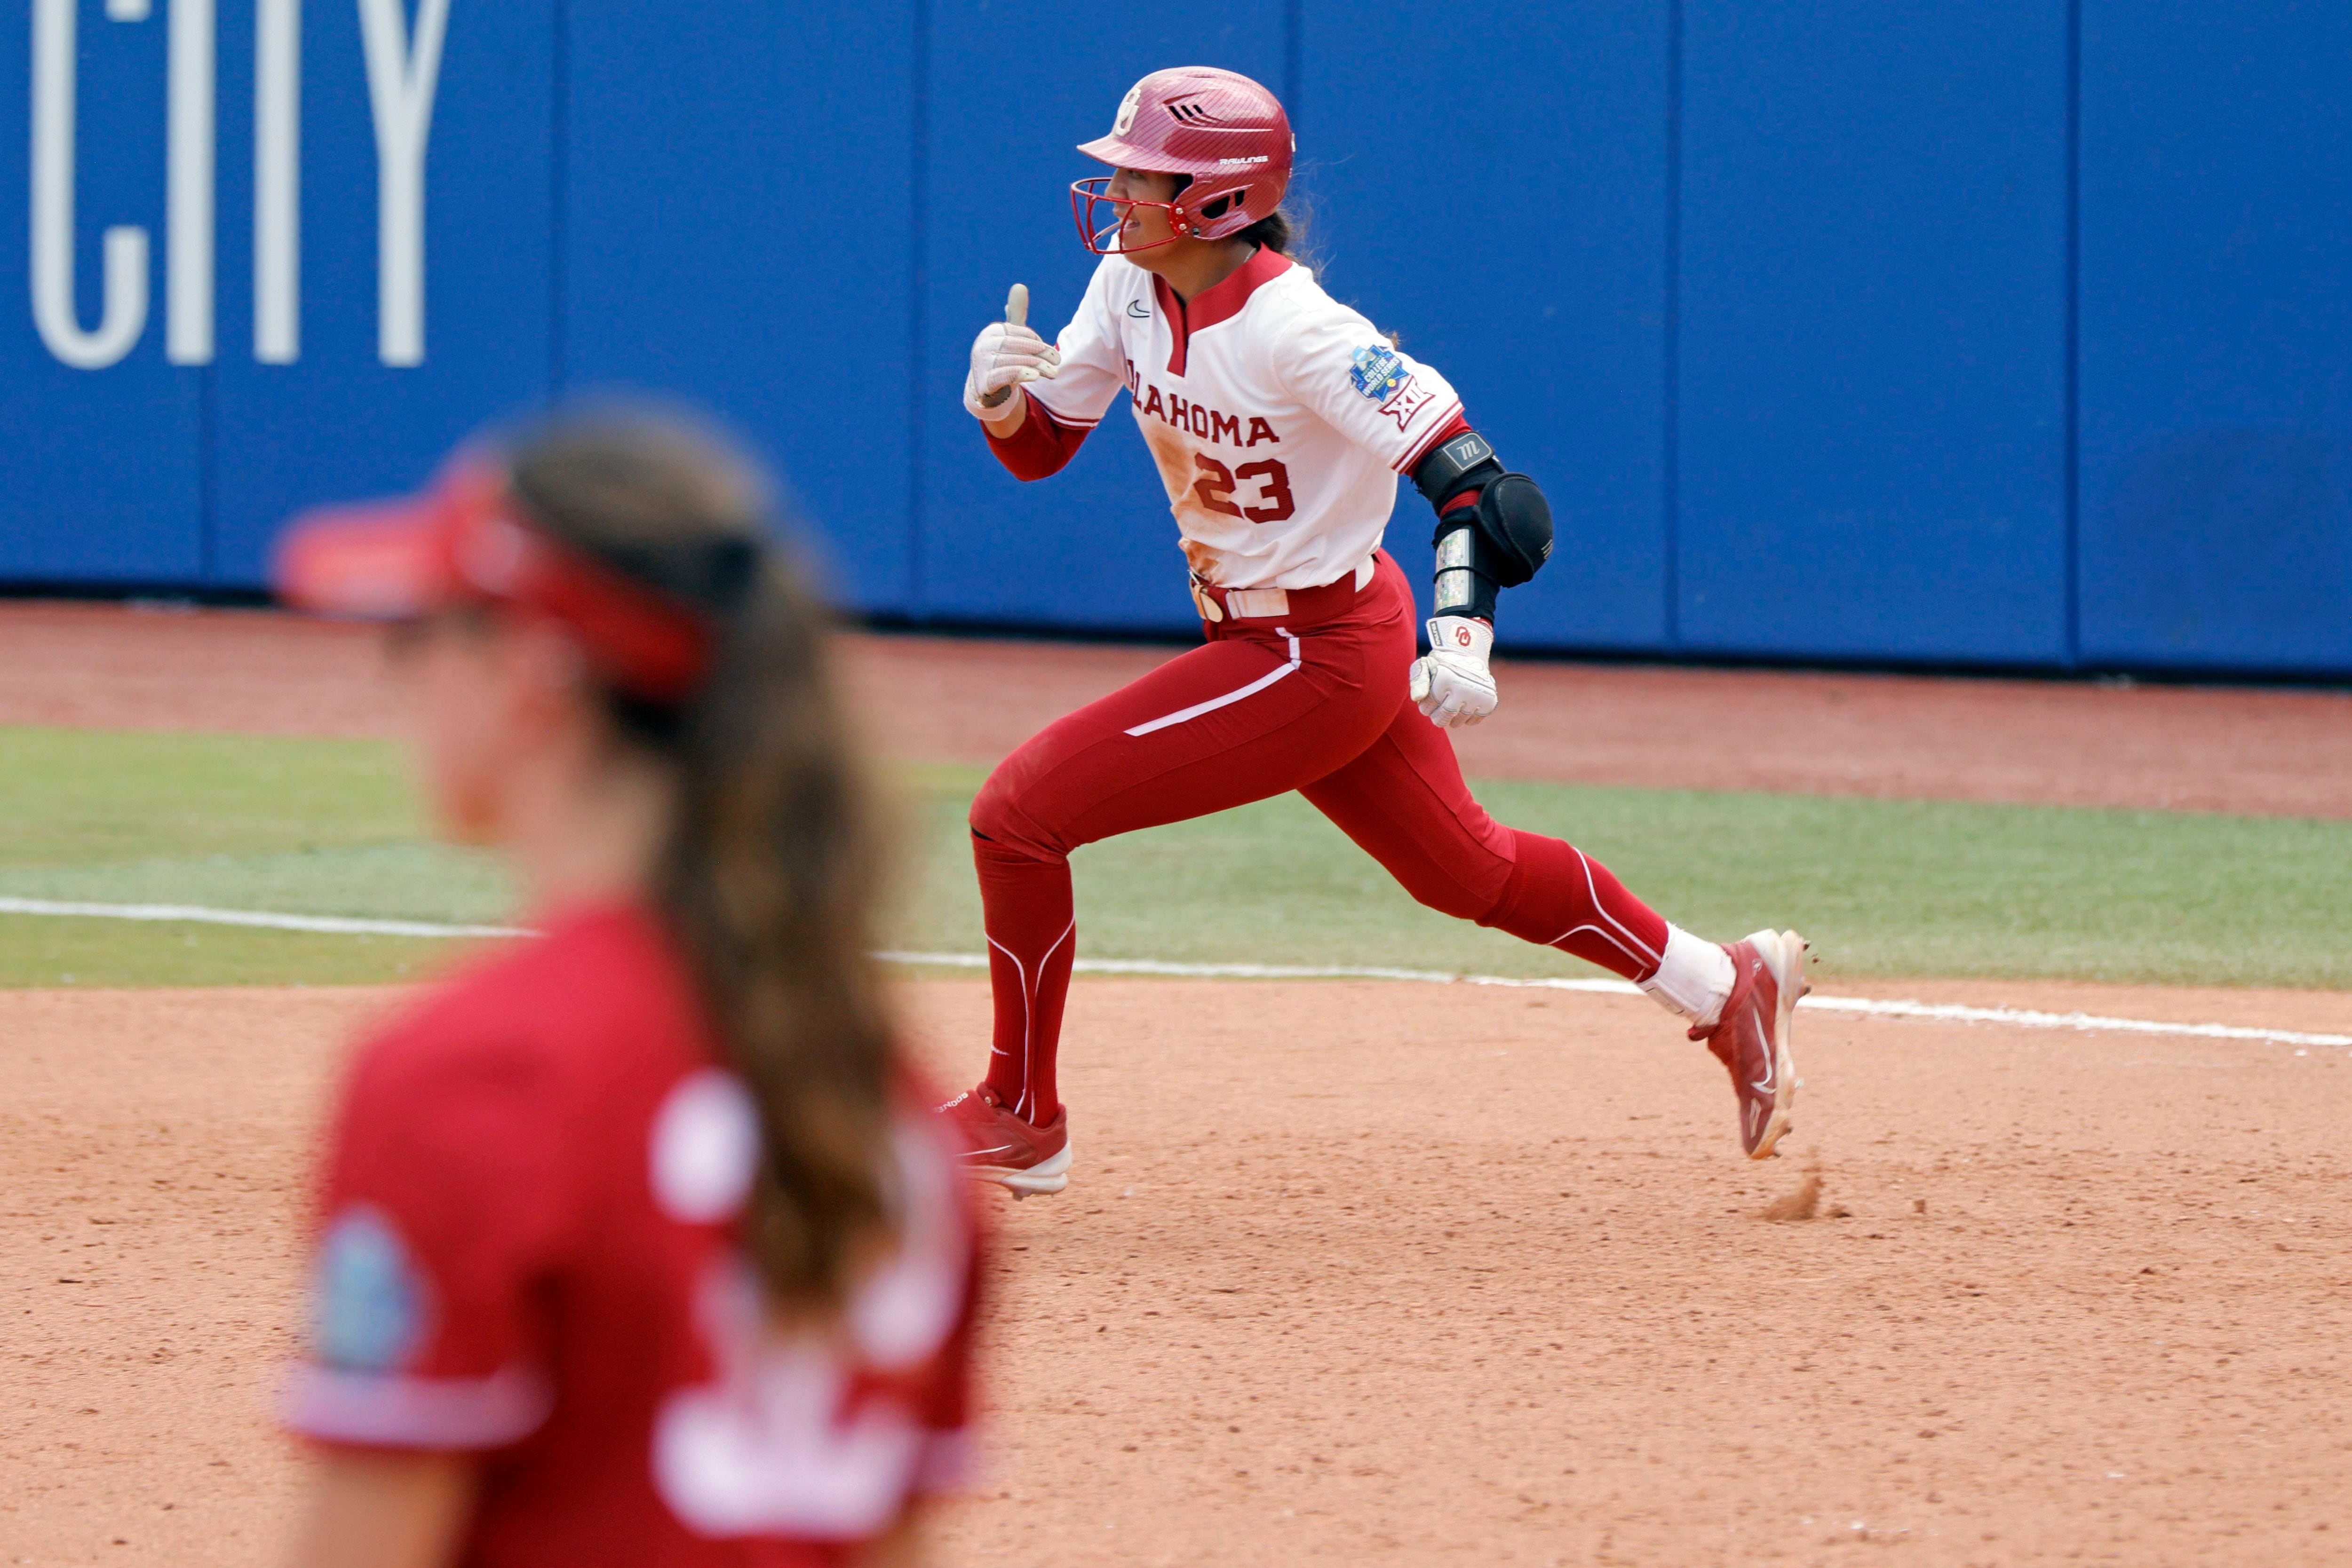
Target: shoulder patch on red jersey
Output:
[{"x": 369, "y": 1300}]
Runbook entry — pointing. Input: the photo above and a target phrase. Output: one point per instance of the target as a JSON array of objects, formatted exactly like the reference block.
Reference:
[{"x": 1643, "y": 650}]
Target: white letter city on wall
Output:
[
  {"x": 188, "y": 187},
  {"x": 401, "y": 78},
  {"x": 123, "y": 315},
  {"x": 277, "y": 182}
]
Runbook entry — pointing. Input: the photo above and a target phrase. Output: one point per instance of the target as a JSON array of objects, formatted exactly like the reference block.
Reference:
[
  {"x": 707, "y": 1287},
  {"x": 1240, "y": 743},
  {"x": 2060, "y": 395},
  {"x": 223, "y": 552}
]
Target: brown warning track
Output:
[
  {"x": 2204, "y": 749},
  {"x": 1354, "y": 1273}
]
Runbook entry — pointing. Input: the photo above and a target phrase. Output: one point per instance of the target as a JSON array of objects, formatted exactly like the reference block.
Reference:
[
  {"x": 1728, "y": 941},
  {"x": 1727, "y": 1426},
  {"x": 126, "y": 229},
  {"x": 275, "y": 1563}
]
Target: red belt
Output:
[{"x": 1292, "y": 607}]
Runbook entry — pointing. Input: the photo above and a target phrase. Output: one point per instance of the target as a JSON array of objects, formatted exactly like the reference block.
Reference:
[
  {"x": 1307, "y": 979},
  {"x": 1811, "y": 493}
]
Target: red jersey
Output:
[{"x": 528, "y": 1254}]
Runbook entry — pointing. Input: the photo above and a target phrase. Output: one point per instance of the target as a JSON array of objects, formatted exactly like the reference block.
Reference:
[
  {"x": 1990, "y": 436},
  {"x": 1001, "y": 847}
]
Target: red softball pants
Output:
[{"x": 1263, "y": 707}]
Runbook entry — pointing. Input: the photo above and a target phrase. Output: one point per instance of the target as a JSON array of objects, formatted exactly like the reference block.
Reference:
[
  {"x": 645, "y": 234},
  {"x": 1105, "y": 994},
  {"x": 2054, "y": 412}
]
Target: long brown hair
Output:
[
  {"x": 771, "y": 863},
  {"x": 1274, "y": 231}
]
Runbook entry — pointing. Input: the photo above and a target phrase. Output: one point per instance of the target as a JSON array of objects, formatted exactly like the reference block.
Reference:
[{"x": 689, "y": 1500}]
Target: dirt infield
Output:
[
  {"x": 2203, "y": 749},
  {"x": 1363, "y": 1273}
]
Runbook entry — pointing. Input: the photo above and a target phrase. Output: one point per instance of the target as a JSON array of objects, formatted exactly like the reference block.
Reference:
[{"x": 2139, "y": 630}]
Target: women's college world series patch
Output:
[
  {"x": 1381, "y": 376},
  {"x": 1378, "y": 373}
]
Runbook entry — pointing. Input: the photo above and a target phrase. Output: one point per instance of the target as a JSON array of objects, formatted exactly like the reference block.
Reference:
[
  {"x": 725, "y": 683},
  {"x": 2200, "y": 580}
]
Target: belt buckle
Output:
[{"x": 1258, "y": 603}]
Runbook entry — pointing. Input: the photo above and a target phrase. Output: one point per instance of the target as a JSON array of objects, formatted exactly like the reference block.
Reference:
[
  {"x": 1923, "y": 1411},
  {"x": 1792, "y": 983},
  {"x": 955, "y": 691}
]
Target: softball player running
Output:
[
  {"x": 637, "y": 1243},
  {"x": 1279, "y": 420}
]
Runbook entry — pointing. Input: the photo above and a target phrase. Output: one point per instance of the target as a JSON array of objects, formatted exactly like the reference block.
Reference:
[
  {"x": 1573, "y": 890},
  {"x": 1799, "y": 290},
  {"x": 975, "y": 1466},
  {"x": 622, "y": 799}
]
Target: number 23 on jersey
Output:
[{"x": 1269, "y": 501}]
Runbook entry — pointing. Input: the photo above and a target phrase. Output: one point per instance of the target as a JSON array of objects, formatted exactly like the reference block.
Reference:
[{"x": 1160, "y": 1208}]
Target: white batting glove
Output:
[
  {"x": 1005, "y": 354},
  {"x": 1451, "y": 683}
]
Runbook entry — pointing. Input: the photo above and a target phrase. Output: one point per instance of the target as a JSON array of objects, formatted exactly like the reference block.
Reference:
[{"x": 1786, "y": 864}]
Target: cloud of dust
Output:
[{"x": 1805, "y": 1203}]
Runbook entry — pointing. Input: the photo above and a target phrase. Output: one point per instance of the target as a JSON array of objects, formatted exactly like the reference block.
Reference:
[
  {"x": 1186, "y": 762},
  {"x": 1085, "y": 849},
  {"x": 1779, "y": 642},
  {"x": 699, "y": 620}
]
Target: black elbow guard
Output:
[
  {"x": 1500, "y": 542},
  {"x": 1514, "y": 528},
  {"x": 1464, "y": 463}
]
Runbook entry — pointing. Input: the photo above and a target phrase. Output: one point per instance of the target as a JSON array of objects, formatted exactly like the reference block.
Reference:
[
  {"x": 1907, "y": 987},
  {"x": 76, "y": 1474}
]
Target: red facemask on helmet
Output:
[{"x": 1219, "y": 127}]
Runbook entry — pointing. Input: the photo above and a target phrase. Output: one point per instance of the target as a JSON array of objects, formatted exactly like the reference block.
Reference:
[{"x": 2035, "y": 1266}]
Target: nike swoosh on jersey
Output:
[{"x": 1138, "y": 309}]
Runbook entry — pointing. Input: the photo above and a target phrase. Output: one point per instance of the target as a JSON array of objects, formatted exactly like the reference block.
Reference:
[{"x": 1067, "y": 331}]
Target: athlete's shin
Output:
[
  {"x": 1028, "y": 914},
  {"x": 1560, "y": 897}
]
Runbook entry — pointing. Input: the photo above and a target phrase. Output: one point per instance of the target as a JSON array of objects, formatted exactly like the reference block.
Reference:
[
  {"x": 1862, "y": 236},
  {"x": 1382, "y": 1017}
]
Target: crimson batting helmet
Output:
[{"x": 1224, "y": 131}]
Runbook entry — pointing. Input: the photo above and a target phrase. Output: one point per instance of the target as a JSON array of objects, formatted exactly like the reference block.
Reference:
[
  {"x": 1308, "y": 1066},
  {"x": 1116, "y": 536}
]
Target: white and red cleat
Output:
[
  {"x": 1008, "y": 1150},
  {"x": 1750, "y": 1036}
]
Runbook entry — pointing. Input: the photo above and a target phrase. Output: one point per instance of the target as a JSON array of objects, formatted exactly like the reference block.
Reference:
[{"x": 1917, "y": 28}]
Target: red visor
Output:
[{"x": 465, "y": 542}]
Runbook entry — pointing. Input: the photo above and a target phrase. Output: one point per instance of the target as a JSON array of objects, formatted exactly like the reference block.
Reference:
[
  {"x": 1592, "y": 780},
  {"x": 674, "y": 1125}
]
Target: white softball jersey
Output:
[{"x": 1279, "y": 417}]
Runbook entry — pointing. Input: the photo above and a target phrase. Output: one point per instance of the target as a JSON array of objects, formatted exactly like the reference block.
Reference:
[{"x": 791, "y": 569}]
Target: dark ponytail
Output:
[
  {"x": 1273, "y": 231},
  {"x": 767, "y": 881}
]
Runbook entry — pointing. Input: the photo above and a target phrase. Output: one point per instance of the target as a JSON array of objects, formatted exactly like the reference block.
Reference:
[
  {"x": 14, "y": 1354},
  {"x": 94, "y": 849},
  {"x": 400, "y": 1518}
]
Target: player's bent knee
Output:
[
  {"x": 1446, "y": 895},
  {"x": 998, "y": 818},
  {"x": 992, "y": 816},
  {"x": 1457, "y": 901}
]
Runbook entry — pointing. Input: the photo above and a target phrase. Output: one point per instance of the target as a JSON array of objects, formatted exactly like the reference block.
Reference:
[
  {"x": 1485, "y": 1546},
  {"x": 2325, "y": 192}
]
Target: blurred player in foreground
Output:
[
  {"x": 637, "y": 1243},
  {"x": 1279, "y": 420}
]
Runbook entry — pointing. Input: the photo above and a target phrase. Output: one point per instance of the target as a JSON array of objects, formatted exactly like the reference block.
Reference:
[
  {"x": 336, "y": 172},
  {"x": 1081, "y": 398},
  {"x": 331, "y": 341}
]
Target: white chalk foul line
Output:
[
  {"x": 2030, "y": 1018},
  {"x": 1942, "y": 1012},
  {"x": 330, "y": 925}
]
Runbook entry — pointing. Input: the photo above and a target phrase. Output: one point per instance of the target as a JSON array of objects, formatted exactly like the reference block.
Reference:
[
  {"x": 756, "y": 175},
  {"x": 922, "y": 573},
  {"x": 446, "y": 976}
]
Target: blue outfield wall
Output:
[
  {"x": 1871, "y": 396},
  {"x": 104, "y": 470},
  {"x": 338, "y": 420},
  {"x": 2217, "y": 334},
  {"x": 736, "y": 227},
  {"x": 1514, "y": 235},
  {"x": 2008, "y": 334}
]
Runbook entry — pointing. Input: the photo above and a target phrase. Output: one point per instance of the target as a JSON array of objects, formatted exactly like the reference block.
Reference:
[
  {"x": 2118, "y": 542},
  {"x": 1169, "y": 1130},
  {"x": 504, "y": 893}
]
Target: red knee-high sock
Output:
[
  {"x": 1032, "y": 927},
  {"x": 1560, "y": 897}
]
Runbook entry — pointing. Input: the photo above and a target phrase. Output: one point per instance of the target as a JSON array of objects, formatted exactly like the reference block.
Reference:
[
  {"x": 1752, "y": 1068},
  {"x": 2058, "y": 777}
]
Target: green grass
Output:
[
  {"x": 1883, "y": 887},
  {"x": 70, "y": 797},
  {"x": 44, "y": 952},
  {"x": 307, "y": 826},
  {"x": 1892, "y": 888}
]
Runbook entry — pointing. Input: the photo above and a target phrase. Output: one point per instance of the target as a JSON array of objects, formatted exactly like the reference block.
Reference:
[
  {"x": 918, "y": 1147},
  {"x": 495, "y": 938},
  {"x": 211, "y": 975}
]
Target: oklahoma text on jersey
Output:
[{"x": 1325, "y": 409}]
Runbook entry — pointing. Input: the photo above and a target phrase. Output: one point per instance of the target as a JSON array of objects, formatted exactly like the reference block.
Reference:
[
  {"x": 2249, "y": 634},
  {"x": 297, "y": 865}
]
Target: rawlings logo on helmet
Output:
[{"x": 1125, "y": 121}]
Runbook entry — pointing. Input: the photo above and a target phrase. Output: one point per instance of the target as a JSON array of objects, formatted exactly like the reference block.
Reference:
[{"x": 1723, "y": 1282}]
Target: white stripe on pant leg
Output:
[
  {"x": 1029, "y": 1027},
  {"x": 1022, "y": 970},
  {"x": 1577, "y": 930},
  {"x": 1214, "y": 703},
  {"x": 1593, "y": 893}
]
